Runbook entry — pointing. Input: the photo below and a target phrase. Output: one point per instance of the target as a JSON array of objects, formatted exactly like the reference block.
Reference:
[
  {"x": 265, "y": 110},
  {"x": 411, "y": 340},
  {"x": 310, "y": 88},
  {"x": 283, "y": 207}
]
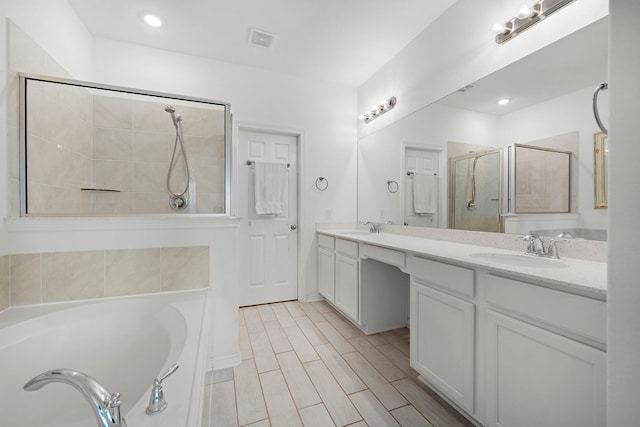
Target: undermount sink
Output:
[{"x": 519, "y": 260}]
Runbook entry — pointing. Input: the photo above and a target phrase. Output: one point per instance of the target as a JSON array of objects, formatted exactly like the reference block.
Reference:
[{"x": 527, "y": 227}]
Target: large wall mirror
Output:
[
  {"x": 462, "y": 149},
  {"x": 93, "y": 150}
]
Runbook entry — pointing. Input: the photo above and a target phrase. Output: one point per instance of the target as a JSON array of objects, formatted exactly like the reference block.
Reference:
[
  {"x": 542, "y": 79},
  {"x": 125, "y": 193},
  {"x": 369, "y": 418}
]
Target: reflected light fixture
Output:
[
  {"x": 378, "y": 110},
  {"x": 527, "y": 16}
]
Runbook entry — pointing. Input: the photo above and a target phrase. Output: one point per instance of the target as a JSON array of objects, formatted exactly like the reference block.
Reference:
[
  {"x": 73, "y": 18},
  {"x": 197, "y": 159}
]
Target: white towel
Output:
[
  {"x": 424, "y": 193},
  {"x": 271, "y": 181}
]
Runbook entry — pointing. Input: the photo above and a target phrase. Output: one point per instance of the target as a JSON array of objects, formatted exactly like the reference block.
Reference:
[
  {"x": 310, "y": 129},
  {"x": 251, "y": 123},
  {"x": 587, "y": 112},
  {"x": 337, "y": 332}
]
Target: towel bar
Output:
[{"x": 252, "y": 162}]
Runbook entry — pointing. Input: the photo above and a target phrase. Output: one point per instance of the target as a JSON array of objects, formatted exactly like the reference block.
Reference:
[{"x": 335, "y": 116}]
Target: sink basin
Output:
[{"x": 519, "y": 260}]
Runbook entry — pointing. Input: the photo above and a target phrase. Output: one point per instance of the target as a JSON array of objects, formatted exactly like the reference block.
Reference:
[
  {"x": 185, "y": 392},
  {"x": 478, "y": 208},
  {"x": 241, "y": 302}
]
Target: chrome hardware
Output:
[
  {"x": 178, "y": 202},
  {"x": 601, "y": 86},
  {"x": 293, "y": 227},
  {"x": 106, "y": 406},
  {"x": 373, "y": 227},
  {"x": 536, "y": 247},
  {"x": 157, "y": 402}
]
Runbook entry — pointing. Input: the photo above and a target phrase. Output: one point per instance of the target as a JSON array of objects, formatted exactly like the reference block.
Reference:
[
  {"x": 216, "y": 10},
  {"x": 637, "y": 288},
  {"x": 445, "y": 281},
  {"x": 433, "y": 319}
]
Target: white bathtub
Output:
[{"x": 124, "y": 343}]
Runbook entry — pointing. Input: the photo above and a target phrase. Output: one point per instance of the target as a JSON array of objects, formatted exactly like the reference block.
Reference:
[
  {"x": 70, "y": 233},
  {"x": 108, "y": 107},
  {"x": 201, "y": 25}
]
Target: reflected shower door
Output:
[{"x": 475, "y": 198}]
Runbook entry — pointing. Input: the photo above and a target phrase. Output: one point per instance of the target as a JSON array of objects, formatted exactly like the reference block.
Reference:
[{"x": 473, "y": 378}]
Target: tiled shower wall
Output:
[
  {"x": 67, "y": 276},
  {"x": 85, "y": 139}
]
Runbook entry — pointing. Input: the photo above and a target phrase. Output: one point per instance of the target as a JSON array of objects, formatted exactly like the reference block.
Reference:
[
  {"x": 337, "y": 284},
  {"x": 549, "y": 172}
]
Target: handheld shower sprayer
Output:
[
  {"x": 176, "y": 119},
  {"x": 177, "y": 200}
]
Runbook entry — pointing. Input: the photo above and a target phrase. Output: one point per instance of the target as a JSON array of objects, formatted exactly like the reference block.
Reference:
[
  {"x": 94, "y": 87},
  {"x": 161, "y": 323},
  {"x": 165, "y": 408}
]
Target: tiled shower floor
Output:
[{"x": 303, "y": 364}]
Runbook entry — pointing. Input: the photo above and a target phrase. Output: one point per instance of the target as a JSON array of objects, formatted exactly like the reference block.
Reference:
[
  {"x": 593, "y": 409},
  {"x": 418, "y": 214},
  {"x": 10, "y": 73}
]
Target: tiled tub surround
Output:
[{"x": 67, "y": 276}]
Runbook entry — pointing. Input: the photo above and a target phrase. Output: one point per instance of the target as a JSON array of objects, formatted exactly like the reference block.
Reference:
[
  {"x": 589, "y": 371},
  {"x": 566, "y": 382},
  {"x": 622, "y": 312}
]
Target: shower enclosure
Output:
[
  {"x": 476, "y": 191},
  {"x": 90, "y": 149}
]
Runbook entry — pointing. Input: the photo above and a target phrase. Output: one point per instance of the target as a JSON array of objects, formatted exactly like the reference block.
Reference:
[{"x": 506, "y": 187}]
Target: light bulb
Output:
[{"x": 524, "y": 12}]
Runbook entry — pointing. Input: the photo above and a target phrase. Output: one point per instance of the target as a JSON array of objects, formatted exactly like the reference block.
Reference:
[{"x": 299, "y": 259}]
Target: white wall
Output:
[
  {"x": 623, "y": 296},
  {"x": 324, "y": 112},
  {"x": 53, "y": 25},
  {"x": 459, "y": 48}
]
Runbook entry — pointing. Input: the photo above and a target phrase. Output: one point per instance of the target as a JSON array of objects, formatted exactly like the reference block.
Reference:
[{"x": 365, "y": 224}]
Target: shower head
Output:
[{"x": 169, "y": 109}]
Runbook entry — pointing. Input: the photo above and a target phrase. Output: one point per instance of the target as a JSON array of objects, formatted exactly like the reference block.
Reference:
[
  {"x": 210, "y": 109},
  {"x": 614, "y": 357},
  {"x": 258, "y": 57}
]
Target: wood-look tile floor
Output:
[{"x": 303, "y": 364}]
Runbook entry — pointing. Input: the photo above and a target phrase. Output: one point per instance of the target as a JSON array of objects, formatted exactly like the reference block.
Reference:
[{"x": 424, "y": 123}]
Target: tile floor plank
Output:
[
  {"x": 312, "y": 312},
  {"x": 301, "y": 345},
  {"x": 335, "y": 400},
  {"x": 262, "y": 352},
  {"x": 343, "y": 326},
  {"x": 397, "y": 341},
  {"x": 223, "y": 405},
  {"x": 294, "y": 309},
  {"x": 302, "y": 390},
  {"x": 253, "y": 320},
  {"x": 322, "y": 306},
  {"x": 309, "y": 329},
  {"x": 249, "y": 398},
  {"x": 282, "y": 411},
  {"x": 408, "y": 416},
  {"x": 316, "y": 416},
  {"x": 266, "y": 313},
  {"x": 283, "y": 315},
  {"x": 374, "y": 414},
  {"x": 379, "y": 361},
  {"x": 427, "y": 405},
  {"x": 384, "y": 391},
  {"x": 342, "y": 372},
  {"x": 397, "y": 357},
  {"x": 279, "y": 341},
  {"x": 336, "y": 339},
  {"x": 245, "y": 344}
]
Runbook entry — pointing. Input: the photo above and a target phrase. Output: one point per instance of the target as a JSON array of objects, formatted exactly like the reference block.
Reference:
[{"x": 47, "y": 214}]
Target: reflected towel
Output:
[
  {"x": 424, "y": 193},
  {"x": 271, "y": 181}
]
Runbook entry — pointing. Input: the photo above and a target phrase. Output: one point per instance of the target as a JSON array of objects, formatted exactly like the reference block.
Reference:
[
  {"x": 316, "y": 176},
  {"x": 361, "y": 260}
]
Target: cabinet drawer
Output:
[
  {"x": 387, "y": 256},
  {"x": 458, "y": 280},
  {"x": 347, "y": 247},
  {"x": 573, "y": 313},
  {"x": 326, "y": 241}
]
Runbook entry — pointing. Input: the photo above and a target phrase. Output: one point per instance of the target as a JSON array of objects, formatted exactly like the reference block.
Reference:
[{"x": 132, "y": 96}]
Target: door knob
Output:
[{"x": 293, "y": 226}]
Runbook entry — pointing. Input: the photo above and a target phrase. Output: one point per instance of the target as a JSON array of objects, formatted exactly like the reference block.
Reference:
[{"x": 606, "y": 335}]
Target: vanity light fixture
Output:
[
  {"x": 526, "y": 17},
  {"x": 378, "y": 110}
]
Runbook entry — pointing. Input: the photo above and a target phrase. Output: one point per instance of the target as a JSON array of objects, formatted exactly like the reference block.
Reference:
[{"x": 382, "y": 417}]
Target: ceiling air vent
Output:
[{"x": 261, "y": 38}]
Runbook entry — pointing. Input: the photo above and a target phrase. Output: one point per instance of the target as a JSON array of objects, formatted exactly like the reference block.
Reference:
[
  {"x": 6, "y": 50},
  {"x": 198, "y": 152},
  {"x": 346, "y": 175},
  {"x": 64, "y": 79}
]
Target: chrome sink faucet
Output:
[
  {"x": 373, "y": 227},
  {"x": 106, "y": 406},
  {"x": 536, "y": 247}
]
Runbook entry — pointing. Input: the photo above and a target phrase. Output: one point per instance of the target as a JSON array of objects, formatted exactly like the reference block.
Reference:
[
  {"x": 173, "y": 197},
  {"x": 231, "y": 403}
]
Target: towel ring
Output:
[
  {"x": 319, "y": 182},
  {"x": 392, "y": 186}
]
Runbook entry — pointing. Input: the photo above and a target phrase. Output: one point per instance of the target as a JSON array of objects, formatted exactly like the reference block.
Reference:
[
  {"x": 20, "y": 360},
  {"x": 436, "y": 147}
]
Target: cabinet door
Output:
[
  {"x": 539, "y": 378},
  {"x": 442, "y": 342},
  {"x": 347, "y": 286},
  {"x": 326, "y": 274}
]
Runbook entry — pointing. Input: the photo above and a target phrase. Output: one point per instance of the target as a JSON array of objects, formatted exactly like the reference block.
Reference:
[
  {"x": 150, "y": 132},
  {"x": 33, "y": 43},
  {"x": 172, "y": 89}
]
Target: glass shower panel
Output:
[
  {"x": 95, "y": 150},
  {"x": 475, "y": 199}
]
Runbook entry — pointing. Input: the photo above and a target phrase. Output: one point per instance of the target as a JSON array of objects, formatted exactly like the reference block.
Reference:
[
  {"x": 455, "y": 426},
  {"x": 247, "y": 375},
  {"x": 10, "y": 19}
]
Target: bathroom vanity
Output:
[{"x": 510, "y": 340}]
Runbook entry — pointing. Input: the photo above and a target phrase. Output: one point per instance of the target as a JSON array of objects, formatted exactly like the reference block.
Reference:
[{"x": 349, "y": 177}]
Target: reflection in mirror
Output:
[
  {"x": 550, "y": 94},
  {"x": 92, "y": 149},
  {"x": 601, "y": 159}
]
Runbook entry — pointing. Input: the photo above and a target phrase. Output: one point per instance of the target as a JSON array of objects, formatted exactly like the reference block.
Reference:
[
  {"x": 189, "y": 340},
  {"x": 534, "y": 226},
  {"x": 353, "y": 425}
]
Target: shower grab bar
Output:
[
  {"x": 601, "y": 86},
  {"x": 252, "y": 162},
  {"x": 409, "y": 173},
  {"x": 100, "y": 189}
]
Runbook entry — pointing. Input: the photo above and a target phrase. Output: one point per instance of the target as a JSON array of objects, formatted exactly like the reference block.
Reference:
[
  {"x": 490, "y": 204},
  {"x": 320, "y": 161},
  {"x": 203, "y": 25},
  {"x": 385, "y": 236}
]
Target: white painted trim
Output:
[
  {"x": 299, "y": 134},
  {"x": 223, "y": 362}
]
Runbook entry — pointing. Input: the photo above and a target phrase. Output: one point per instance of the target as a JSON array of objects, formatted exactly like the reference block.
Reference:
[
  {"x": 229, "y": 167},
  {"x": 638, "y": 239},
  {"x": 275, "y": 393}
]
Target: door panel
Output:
[{"x": 270, "y": 245}]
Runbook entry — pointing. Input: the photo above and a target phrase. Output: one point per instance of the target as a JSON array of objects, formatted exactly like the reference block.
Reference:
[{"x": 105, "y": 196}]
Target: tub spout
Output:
[{"x": 106, "y": 406}]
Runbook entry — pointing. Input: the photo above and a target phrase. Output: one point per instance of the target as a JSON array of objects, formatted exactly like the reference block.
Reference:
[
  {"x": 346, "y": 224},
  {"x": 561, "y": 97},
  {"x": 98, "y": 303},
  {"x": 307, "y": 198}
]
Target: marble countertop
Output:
[{"x": 588, "y": 278}]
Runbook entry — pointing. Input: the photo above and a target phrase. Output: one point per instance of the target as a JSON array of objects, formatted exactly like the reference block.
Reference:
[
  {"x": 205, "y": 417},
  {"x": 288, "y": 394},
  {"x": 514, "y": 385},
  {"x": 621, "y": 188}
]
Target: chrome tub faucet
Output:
[{"x": 106, "y": 406}]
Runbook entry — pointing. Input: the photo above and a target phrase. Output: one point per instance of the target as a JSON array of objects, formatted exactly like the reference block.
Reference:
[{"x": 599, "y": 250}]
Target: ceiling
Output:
[
  {"x": 570, "y": 64},
  {"x": 340, "y": 41}
]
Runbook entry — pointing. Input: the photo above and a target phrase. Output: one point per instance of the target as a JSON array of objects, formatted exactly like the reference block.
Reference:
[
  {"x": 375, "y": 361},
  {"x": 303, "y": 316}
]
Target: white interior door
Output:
[
  {"x": 419, "y": 160},
  {"x": 269, "y": 264}
]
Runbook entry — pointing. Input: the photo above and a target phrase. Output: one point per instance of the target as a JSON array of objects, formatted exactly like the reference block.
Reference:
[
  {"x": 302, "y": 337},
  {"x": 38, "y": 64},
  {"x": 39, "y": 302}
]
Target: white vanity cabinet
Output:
[
  {"x": 442, "y": 317},
  {"x": 347, "y": 294},
  {"x": 545, "y": 364},
  {"x": 326, "y": 267}
]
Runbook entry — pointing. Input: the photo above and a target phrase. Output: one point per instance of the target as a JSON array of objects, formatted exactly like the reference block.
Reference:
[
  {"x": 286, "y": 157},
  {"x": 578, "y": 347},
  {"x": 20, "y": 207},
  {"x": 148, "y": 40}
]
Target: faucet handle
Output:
[
  {"x": 552, "y": 250},
  {"x": 157, "y": 402}
]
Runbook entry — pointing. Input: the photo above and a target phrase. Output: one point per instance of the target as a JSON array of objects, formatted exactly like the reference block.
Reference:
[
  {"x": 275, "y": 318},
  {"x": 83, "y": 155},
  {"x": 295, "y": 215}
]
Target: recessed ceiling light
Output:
[
  {"x": 153, "y": 20},
  {"x": 504, "y": 101},
  {"x": 261, "y": 38}
]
